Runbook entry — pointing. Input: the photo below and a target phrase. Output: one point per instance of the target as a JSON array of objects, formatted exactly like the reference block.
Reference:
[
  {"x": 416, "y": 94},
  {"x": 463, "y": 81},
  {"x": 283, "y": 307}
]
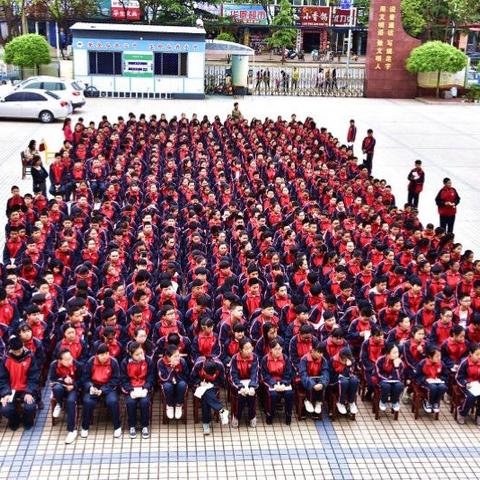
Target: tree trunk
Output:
[{"x": 438, "y": 84}]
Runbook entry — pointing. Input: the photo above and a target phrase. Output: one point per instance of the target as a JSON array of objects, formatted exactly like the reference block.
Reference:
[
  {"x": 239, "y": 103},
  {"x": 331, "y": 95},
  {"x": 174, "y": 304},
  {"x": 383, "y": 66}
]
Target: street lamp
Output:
[{"x": 349, "y": 44}]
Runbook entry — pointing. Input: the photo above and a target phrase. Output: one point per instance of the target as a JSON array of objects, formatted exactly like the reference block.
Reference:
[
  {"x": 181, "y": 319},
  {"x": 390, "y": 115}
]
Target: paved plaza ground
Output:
[{"x": 447, "y": 139}]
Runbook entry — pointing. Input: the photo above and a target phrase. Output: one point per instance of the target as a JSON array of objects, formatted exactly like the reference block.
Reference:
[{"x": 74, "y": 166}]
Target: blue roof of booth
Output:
[{"x": 121, "y": 27}]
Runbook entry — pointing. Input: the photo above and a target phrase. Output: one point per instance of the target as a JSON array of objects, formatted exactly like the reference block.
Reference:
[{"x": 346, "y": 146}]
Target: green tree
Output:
[
  {"x": 283, "y": 36},
  {"x": 437, "y": 57},
  {"x": 66, "y": 11},
  {"x": 226, "y": 36},
  {"x": 437, "y": 19},
  {"x": 28, "y": 50}
]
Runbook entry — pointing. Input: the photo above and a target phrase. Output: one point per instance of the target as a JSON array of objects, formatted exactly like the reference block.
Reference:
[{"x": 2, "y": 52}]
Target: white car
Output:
[
  {"x": 42, "y": 104},
  {"x": 67, "y": 89}
]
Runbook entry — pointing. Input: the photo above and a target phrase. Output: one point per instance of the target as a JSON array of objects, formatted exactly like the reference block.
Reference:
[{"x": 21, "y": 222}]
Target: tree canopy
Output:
[
  {"x": 283, "y": 37},
  {"x": 28, "y": 50}
]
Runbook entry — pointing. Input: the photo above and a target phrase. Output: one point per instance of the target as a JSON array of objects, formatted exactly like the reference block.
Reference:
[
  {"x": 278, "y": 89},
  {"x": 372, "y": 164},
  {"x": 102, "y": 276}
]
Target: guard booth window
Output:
[
  {"x": 105, "y": 63},
  {"x": 173, "y": 64}
]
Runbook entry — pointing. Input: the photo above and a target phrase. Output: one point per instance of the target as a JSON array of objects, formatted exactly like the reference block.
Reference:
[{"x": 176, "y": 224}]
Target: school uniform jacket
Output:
[
  {"x": 244, "y": 369},
  {"x": 104, "y": 377},
  {"x": 309, "y": 368},
  {"x": 135, "y": 374},
  {"x": 276, "y": 370},
  {"x": 21, "y": 374}
]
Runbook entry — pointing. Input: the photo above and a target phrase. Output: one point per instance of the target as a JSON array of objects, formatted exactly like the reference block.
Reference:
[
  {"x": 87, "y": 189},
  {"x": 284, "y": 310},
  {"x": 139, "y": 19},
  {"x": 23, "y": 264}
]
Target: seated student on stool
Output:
[
  {"x": 101, "y": 379},
  {"x": 467, "y": 373},
  {"x": 277, "y": 375},
  {"x": 371, "y": 350},
  {"x": 432, "y": 374},
  {"x": 19, "y": 380},
  {"x": 342, "y": 366},
  {"x": 65, "y": 377},
  {"x": 315, "y": 376},
  {"x": 209, "y": 371},
  {"x": 137, "y": 377},
  {"x": 173, "y": 377},
  {"x": 244, "y": 368},
  {"x": 389, "y": 368}
]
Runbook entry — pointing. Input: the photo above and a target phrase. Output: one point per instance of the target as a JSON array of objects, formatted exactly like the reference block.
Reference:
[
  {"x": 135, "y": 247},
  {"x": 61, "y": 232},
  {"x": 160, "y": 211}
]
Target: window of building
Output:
[
  {"x": 173, "y": 64},
  {"x": 105, "y": 63}
]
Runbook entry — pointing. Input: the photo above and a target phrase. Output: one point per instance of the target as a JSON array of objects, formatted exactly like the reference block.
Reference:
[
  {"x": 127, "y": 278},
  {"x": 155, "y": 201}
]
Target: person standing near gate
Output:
[
  {"x": 447, "y": 200},
  {"x": 368, "y": 148},
  {"x": 416, "y": 179},
  {"x": 352, "y": 133}
]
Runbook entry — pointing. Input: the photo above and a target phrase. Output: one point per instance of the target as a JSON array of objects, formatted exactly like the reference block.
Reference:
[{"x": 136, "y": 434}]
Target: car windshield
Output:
[{"x": 53, "y": 95}]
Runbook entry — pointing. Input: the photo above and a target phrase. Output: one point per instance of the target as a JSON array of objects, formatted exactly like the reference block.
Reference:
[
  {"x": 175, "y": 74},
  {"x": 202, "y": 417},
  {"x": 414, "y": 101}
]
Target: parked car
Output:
[
  {"x": 42, "y": 104},
  {"x": 473, "y": 78},
  {"x": 67, "y": 89}
]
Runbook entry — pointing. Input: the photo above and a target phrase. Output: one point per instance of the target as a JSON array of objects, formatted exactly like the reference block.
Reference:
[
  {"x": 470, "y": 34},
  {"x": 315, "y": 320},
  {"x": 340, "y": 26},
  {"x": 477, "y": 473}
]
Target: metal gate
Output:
[{"x": 310, "y": 80}]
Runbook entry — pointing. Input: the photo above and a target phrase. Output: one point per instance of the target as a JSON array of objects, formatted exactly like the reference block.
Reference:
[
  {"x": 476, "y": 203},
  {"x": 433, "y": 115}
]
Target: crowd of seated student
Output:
[{"x": 189, "y": 254}]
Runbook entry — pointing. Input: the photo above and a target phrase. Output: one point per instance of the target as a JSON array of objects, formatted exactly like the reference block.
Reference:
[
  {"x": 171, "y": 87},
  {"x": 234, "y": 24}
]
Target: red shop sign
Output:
[{"x": 315, "y": 16}]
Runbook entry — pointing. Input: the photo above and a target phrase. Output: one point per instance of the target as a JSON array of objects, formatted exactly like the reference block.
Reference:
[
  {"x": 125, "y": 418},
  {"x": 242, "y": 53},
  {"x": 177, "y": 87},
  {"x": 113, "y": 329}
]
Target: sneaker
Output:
[
  {"x": 342, "y": 409},
  {"x": 132, "y": 432},
  {"x": 83, "y": 433},
  {"x": 71, "y": 436},
  {"x": 224, "y": 417},
  {"x": 427, "y": 407},
  {"x": 206, "y": 429},
  {"x": 170, "y": 412},
  {"x": 308, "y": 406},
  {"x": 234, "y": 422},
  {"x": 353, "y": 408},
  {"x": 253, "y": 422},
  {"x": 117, "y": 433},
  {"x": 396, "y": 407},
  {"x": 436, "y": 408},
  {"x": 178, "y": 412},
  {"x": 145, "y": 433},
  {"x": 56, "y": 411},
  {"x": 382, "y": 406},
  {"x": 318, "y": 408}
]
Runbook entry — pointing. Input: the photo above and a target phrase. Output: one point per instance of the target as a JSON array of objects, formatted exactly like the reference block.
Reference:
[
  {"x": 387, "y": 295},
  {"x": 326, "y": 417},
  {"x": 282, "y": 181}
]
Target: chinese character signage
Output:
[
  {"x": 385, "y": 27},
  {"x": 327, "y": 17},
  {"x": 253, "y": 14},
  {"x": 125, "y": 9},
  {"x": 138, "y": 64}
]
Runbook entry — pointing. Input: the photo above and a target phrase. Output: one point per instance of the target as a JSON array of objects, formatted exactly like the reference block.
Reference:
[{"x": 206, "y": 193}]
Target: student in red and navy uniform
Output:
[
  {"x": 413, "y": 350},
  {"x": 426, "y": 316},
  {"x": 412, "y": 300},
  {"x": 454, "y": 348},
  {"x": 269, "y": 333},
  {"x": 335, "y": 342},
  {"x": 19, "y": 375},
  {"x": 447, "y": 200},
  {"x": 65, "y": 379},
  {"x": 73, "y": 343},
  {"x": 137, "y": 377},
  {"x": 101, "y": 379},
  {"x": 467, "y": 373},
  {"x": 442, "y": 327},
  {"x": 473, "y": 330},
  {"x": 342, "y": 366},
  {"x": 314, "y": 373},
  {"x": 360, "y": 329},
  {"x": 432, "y": 374},
  {"x": 301, "y": 344},
  {"x": 401, "y": 333},
  {"x": 205, "y": 344},
  {"x": 210, "y": 370},
  {"x": 173, "y": 378},
  {"x": 277, "y": 375},
  {"x": 243, "y": 379},
  {"x": 232, "y": 345},
  {"x": 372, "y": 349},
  {"x": 389, "y": 368}
]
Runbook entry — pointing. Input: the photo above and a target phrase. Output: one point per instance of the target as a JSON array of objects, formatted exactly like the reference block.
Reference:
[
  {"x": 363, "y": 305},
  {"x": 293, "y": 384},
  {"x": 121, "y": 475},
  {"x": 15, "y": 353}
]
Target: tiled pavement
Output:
[{"x": 447, "y": 138}]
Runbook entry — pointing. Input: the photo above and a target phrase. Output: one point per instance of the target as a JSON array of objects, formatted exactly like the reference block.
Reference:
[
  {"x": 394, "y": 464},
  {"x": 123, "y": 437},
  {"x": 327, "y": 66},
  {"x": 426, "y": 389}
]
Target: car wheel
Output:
[{"x": 46, "y": 116}]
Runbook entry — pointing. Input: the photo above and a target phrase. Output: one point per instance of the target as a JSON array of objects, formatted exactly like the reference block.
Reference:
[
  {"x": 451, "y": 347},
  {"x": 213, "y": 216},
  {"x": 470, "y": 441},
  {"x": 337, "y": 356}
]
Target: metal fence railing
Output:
[{"x": 325, "y": 81}]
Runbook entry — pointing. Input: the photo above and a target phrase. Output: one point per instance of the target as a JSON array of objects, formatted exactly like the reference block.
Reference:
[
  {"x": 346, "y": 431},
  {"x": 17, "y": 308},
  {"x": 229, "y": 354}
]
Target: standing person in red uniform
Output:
[
  {"x": 352, "y": 133},
  {"x": 368, "y": 148},
  {"x": 416, "y": 179},
  {"x": 447, "y": 200},
  {"x": 19, "y": 379}
]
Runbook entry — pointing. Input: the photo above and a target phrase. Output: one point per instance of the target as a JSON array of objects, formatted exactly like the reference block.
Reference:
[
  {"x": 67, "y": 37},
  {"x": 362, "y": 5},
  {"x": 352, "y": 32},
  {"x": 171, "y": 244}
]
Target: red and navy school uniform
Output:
[
  {"x": 20, "y": 374},
  {"x": 104, "y": 377},
  {"x": 163, "y": 329},
  {"x": 298, "y": 349},
  {"x": 370, "y": 352},
  {"x": 411, "y": 303},
  {"x": 389, "y": 378},
  {"x": 137, "y": 374},
  {"x": 256, "y": 326},
  {"x": 413, "y": 352},
  {"x": 343, "y": 377},
  {"x": 427, "y": 369},
  {"x": 454, "y": 352},
  {"x": 473, "y": 333},
  {"x": 230, "y": 348},
  {"x": 210, "y": 399},
  {"x": 447, "y": 195},
  {"x": 115, "y": 348},
  {"x": 205, "y": 346},
  {"x": 78, "y": 348},
  {"x": 184, "y": 347},
  {"x": 68, "y": 398},
  {"x": 354, "y": 338},
  {"x": 425, "y": 318},
  {"x": 8, "y": 315},
  {"x": 262, "y": 348},
  {"x": 387, "y": 318},
  {"x": 440, "y": 332},
  {"x": 468, "y": 372},
  {"x": 312, "y": 372},
  {"x": 398, "y": 336},
  {"x": 273, "y": 371},
  {"x": 173, "y": 380},
  {"x": 331, "y": 348}
]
